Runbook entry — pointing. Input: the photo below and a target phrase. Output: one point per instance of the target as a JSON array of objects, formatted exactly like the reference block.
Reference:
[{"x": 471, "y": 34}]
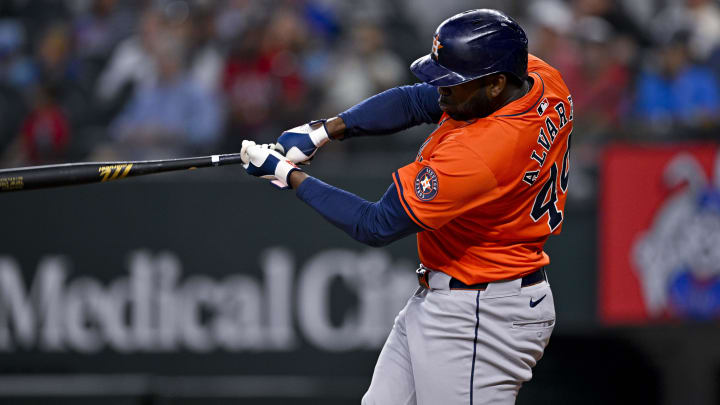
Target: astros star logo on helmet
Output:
[{"x": 436, "y": 45}]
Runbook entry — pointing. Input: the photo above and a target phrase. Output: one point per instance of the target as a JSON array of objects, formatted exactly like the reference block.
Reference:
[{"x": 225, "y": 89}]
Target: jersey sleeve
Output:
[
  {"x": 435, "y": 191},
  {"x": 375, "y": 224},
  {"x": 393, "y": 110}
]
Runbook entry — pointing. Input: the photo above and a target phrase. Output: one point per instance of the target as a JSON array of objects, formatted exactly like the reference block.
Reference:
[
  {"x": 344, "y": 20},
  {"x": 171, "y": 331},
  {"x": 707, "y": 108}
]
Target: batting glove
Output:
[
  {"x": 301, "y": 143},
  {"x": 264, "y": 161}
]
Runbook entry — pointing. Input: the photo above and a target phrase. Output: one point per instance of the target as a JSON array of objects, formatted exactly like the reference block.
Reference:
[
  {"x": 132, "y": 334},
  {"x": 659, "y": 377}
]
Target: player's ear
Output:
[{"x": 497, "y": 84}]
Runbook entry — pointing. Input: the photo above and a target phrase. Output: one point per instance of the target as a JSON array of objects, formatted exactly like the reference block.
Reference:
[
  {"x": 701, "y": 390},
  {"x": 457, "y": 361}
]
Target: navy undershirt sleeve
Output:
[
  {"x": 375, "y": 224},
  {"x": 393, "y": 110}
]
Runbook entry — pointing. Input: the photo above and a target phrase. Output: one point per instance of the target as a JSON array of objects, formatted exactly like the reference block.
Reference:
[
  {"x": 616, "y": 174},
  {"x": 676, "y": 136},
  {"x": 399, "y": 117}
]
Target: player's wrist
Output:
[
  {"x": 296, "y": 178},
  {"x": 335, "y": 128},
  {"x": 284, "y": 169},
  {"x": 319, "y": 134}
]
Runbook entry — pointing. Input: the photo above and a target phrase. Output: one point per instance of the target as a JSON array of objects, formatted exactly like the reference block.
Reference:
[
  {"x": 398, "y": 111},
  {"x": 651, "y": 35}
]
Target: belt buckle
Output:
[{"x": 422, "y": 275}]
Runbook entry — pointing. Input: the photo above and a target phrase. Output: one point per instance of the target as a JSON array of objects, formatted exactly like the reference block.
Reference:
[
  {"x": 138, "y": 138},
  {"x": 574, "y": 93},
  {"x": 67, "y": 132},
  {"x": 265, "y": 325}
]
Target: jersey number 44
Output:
[{"x": 547, "y": 198}]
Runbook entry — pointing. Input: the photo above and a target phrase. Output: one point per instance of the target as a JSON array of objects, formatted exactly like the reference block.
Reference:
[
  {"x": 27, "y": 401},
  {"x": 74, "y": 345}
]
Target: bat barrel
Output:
[{"x": 28, "y": 178}]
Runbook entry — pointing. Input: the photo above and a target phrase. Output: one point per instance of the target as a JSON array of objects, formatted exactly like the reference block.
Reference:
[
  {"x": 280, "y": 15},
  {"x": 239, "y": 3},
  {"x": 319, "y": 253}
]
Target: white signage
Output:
[{"x": 155, "y": 308}]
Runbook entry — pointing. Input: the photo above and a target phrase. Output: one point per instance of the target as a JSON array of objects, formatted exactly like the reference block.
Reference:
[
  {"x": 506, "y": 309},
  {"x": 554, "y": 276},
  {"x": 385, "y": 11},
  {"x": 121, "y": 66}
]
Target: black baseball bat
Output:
[{"x": 34, "y": 177}]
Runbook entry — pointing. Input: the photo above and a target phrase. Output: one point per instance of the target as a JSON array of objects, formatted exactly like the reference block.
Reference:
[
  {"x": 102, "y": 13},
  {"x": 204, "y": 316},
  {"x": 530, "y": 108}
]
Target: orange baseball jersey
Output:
[{"x": 488, "y": 192}]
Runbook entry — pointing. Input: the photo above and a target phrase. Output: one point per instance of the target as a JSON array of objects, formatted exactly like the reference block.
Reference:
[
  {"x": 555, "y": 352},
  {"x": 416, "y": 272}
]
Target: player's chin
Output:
[
  {"x": 468, "y": 112},
  {"x": 459, "y": 115},
  {"x": 458, "y": 112},
  {"x": 452, "y": 111}
]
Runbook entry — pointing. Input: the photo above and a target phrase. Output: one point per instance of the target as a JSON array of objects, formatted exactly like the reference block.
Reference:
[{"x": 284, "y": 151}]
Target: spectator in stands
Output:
[
  {"x": 552, "y": 21},
  {"x": 53, "y": 91},
  {"x": 131, "y": 64},
  {"x": 98, "y": 27},
  {"x": 55, "y": 58},
  {"x": 613, "y": 12},
  {"x": 362, "y": 68},
  {"x": 45, "y": 132},
  {"x": 16, "y": 68},
  {"x": 598, "y": 78},
  {"x": 206, "y": 59},
  {"x": 175, "y": 115},
  {"x": 263, "y": 77},
  {"x": 699, "y": 18},
  {"x": 673, "y": 90},
  {"x": 16, "y": 74}
]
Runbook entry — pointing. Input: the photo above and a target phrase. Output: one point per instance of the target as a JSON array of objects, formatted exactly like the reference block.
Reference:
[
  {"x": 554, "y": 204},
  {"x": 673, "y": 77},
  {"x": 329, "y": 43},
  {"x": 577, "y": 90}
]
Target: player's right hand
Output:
[
  {"x": 300, "y": 144},
  {"x": 266, "y": 162}
]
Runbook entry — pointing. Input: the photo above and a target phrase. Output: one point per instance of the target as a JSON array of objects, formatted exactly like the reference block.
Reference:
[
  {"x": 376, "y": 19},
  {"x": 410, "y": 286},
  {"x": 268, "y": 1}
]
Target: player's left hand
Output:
[
  {"x": 300, "y": 144},
  {"x": 264, "y": 161}
]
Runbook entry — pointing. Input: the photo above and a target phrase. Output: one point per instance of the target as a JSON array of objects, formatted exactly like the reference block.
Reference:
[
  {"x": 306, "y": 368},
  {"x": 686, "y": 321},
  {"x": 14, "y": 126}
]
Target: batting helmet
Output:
[{"x": 471, "y": 45}]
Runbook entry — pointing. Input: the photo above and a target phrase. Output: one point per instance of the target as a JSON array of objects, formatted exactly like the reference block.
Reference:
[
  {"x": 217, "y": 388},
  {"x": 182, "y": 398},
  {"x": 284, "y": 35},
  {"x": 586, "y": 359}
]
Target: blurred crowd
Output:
[{"x": 143, "y": 79}]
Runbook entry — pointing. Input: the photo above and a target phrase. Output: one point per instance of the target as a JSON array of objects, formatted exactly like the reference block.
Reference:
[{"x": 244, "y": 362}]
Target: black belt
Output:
[{"x": 537, "y": 276}]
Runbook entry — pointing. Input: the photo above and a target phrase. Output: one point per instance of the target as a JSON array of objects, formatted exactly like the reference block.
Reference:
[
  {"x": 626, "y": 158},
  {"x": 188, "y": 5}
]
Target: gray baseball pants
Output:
[{"x": 452, "y": 347}]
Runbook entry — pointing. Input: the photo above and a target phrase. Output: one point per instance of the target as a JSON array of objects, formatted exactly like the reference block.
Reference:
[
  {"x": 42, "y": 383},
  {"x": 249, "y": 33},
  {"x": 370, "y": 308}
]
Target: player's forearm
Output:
[
  {"x": 375, "y": 224},
  {"x": 388, "y": 112},
  {"x": 391, "y": 111}
]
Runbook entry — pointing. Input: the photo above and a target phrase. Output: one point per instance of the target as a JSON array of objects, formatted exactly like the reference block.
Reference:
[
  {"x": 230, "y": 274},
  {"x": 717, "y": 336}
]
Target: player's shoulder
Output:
[
  {"x": 473, "y": 131},
  {"x": 462, "y": 140},
  {"x": 490, "y": 139}
]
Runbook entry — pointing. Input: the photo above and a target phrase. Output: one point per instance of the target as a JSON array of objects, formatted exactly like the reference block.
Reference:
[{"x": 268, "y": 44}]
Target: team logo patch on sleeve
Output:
[{"x": 426, "y": 184}]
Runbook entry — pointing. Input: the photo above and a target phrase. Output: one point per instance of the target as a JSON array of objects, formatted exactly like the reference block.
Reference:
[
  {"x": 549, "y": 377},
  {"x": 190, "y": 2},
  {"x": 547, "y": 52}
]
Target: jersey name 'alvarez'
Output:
[{"x": 547, "y": 139}]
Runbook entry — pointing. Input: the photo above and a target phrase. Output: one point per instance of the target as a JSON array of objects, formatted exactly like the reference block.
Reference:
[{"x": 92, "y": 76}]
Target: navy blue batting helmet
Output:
[{"x": 471, "y": 45}]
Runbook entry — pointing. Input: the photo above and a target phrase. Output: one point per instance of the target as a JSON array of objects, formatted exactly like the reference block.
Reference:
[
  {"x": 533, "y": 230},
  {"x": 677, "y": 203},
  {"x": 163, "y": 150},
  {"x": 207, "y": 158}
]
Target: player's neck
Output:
[{"x": 513, "y": 93}]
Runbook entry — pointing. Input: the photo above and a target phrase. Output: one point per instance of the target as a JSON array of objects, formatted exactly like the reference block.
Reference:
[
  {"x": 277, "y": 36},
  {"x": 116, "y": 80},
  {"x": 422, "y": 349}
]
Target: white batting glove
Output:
[
  {"x": 300, "y": 144},
  {"x": 264, "y": 161}
]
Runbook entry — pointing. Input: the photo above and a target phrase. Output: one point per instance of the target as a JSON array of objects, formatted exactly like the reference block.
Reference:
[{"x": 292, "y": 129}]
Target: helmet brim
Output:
[{"x": 432, "y": 73}]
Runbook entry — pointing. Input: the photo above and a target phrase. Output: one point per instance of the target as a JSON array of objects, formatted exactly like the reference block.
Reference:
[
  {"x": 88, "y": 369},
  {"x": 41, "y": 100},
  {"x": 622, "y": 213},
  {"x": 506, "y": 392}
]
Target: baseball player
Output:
[{"x": 485, "y": 191}]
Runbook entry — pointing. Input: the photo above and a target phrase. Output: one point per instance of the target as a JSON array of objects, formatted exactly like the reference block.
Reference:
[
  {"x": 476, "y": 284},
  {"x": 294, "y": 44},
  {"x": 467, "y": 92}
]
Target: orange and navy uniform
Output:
[
  {"x": 488, "y": 192},
  {"x": 482, "y": 195}
]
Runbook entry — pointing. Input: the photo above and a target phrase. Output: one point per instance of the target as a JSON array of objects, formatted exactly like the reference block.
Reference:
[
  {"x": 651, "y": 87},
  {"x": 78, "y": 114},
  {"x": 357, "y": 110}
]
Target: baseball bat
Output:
[{"x": 34, "y": 177}]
